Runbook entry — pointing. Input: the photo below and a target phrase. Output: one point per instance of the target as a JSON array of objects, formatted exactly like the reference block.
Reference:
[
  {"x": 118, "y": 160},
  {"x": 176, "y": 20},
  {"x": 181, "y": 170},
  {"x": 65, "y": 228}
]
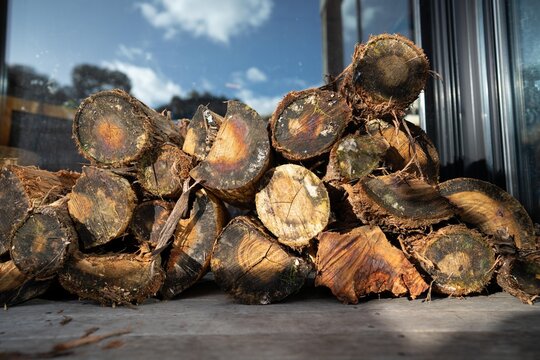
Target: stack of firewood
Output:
[{"x": 337, "y": 183}]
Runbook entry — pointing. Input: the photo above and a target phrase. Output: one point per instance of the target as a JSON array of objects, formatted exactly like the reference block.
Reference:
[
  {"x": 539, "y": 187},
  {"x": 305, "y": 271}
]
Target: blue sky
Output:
[{"x": 255, "y": 50}]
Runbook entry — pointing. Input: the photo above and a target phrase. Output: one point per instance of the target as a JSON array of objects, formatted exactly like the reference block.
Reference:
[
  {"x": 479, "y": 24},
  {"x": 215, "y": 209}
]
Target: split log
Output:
[
  {"x": 163, "y": 170},
  {"x": 491, "y": 209},
  {"x": 461, "y": 261},
  {"x": 113, "y": 278},
  {"x": 23, "y": 188},
  {"x": 194, "y": 239},
  {"x": 201, "y": 132},
  {"x": 385, "y": 76},
  {"x": 354, "y": 157},
  {"x": 101, "y": 205},
  {"x": 419, "y": 157},
  {"x": 238, "y": 158},
  {"x": 148, "y": 220},
  {"x": 520, "y": 276},
  {"x": 307, "y": 123},
  {"x": 293, "y": 204},
  {"x": 254, "y": 268},
  {"x": 398, "y": 202},
  {"x": 362, "y": 262},
  {"x": 44, "y": 240},
  {"x": 16, "y": 287},
  {"x": 113, "y": 128}
]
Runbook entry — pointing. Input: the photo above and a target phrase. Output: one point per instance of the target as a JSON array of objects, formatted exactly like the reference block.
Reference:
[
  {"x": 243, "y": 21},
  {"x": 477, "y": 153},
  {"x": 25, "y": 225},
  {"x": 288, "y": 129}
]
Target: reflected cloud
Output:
[
  {"x": 254, "y": 74},
  {"x": 264, "y": 105},
  {"x": 132, "y": 53}
]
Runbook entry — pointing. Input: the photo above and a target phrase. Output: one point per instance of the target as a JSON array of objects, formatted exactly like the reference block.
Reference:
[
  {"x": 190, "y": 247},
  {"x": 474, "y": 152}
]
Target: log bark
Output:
[
  {"x": 398, "y": 202},
  {"x": 254, "y": 268},
  {"x": 23, "y": 188},
  {"x": 307, "y": 123},
  {"x": 202, "y": 132},
  {"x": 44, "y": 240},
  {"x": 194, "y": 239},
  {"x": 113, "y": 278},
  {"x": 238, "y": 158},
  {"x": 16, "y": 287},
  {"x": 293, "y": 204},
  {"x": 520, "y": 276},
  {"x": 163, "y": 170},
  {"x": 385, "y": 76},
  {"x": 101, "y": 205},
  {"x": 461, "y": 261},
  {"x": 115, "y": 129},
  {"x": 148, "y": 220},
  {"x": 363, "y": 262}
]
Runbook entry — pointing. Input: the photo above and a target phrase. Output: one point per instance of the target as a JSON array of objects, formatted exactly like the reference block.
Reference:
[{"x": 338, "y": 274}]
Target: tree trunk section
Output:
[
  {"x": 254, "y": 268},
  {"x": 363, "y": 262},
  {"x": 22, "y": 188},
  {"x": 520, "y": 277},
  {"x": 148, "y": 219},
  {"x": 194, "y": 239},
  {"x": 307, "y": 123},
  {"x": 238, "y": 158},
  {"x": 113, "y": 128},
  {"x": 202, "y": 132},
  {"x": 101, "y": 205},
  {"x": 16, "y": 287},
  {"x": 293, "y": 204}
]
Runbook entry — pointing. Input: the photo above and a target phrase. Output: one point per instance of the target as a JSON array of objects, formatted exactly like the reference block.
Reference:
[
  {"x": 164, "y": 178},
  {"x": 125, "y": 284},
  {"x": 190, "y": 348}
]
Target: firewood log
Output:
[
  {"x": 293, "y": 204},
  {"x": 194, "y": 239},
  {"x": 148, "y": 219},
  {"x": 23, "y": 188},
  {"x": 101, "y": 205},
  {"x": 520, "y": 277},
  {"x": 307, "y": 123},
  {"x": 16, "y": 287},
  {"x": 253, "y": 267},
  {"x": 362, "y": 262},
  {"x": 201, "y": 132},
  {"x": 238, "y": 158},
  {"x": 113, "y": 128}
]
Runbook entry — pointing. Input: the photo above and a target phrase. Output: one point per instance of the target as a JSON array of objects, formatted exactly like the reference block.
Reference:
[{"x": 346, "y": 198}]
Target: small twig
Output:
[{"x": 87, "y": 340}]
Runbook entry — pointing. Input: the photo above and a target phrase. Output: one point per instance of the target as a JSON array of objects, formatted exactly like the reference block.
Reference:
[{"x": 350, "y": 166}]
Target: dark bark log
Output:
[
  {"x": 202, "y": 132},
  {"x": 520, "y": 277},
  {"x": 16, "y": 287},
  {"x": 148, "y": 220}
]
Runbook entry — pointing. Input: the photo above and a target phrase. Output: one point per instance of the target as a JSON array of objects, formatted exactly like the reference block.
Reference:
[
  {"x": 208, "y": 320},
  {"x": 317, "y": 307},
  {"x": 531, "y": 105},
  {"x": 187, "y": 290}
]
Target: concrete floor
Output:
[{"x": 205, "y": 324}]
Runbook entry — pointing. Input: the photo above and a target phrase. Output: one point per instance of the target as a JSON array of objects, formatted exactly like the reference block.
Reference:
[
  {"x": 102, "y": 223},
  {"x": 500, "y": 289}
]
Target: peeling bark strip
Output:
[
  {"x": 194, "y": 239},
  {"x": 385, "y": 76},
  {"x": 362, "y": 262},
  {"x": 307, "y": 123},
  {"x": 491, "y": 209},
  {"x": 16, "y": 287},
  {"x": 148, "y": 220},
  {"x": 293, "y": 204},
  {"x": 520, "y": 277},
  {"x": 163, "y": 170},
  {"x": 113, "y": 278},
  {"x": 460, "y": 260},
  {"x": 101, "y": 205},
  {"x": 238, "y": 158},
  {"x": 44, "y": 240},
  {"x": 113, "y": 128},
  {"x": 201, "y": 132},
  {"x": 253, "y": 267},
  {"x": 397, "y": 202},
  {"x": 23, "y": 188}
]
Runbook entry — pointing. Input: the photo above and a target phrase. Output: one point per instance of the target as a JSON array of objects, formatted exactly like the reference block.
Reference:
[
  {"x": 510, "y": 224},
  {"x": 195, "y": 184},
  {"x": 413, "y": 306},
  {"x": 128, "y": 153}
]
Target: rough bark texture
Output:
[
  {"x": 16, "y": 287},
  {"x": 520, "y": 277},
  {"x": 201, "y": 132},
  {"x": 113, "y": 128},
  {"x": 194, "y": 239},
  {"x": 293, "y": 204},
  {"x": 362, "y": 262},
  {"x": 148, "y": 220},
  {"x": 307, "y": 123},
  {"x": 23, "y": 188},
  {"x": 254, "y": 268},
  {"x": 101, "y": 205},
  {"x": 238, "y": 158}
]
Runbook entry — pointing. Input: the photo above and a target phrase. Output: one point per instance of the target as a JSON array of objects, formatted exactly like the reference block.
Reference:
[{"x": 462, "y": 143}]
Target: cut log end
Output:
[
  {"x": 201, "y": 132},
  {"x": 16, "y": 287},
  {"x": 520, "y": 277},
  {"x": 148, "y": 219}
]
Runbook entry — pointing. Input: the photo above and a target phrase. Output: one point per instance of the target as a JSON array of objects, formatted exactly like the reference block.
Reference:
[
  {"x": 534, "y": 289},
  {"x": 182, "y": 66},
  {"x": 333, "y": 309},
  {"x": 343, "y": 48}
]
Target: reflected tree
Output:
[
  {"x": 25, "y": 82},
  {"x": 88, "y": 79},
  {"x": 186, "y": 107}
]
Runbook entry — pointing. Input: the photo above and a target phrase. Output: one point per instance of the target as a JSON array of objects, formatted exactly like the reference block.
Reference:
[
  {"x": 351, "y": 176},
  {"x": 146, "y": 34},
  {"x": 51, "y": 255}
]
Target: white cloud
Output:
[
  {"x": 147, "y": 85},
  {"x": 264, "y": 105},
  {"x": 216, "y": 20},
  {"x": 132, "y": 53},
  {"x": 254, "y": 74}
]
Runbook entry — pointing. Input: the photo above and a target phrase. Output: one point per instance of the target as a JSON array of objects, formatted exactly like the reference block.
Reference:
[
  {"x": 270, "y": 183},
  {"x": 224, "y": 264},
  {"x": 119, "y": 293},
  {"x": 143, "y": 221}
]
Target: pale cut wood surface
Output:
[{"x": 206, "y": 324}]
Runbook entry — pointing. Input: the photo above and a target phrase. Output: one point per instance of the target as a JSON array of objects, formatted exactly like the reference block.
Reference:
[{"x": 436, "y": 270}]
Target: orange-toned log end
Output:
[
  {"x": 238, "y": 158},
  {"x": 398, "y": 202},
  {"x": 520, "y": 277},
  {"x": 201, "y": 132},
  {"x": 461, "y": 261},
  {"x": 491, "y": 209},
  {"x": 293, "y": 204},
  {"x": 16, "y": 287},
  {"x": 162, "y": 171},
  {"x": 112, "y": 278},
  {"x": 148, "y": 220},
  {"x": 307, "y": 123},
  {"x": 254, "y": 268},
  {"x": 363, "y": 262},
  {"x": 194, "y": 239},
  {"x": 111, "y": 127},
  {"x": 419, "y": 158},
  {"x": 101, "y": 205}
]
